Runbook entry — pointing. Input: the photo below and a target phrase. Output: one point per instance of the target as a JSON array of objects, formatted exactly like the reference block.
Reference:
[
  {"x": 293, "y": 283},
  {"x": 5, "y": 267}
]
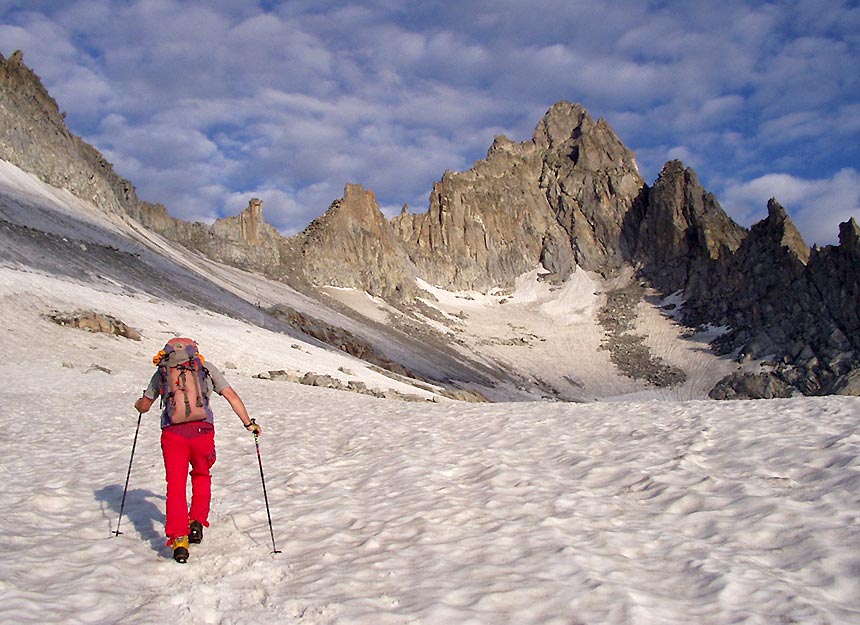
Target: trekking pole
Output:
[
  {"x": 265, "y": 496},
  {"x": 128, "y": 475}
]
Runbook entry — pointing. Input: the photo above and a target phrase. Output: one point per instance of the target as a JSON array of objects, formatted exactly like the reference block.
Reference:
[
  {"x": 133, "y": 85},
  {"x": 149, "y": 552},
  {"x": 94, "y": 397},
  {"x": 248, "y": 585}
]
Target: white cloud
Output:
[
  {"x": 307, "y": 96},
  {"x": 817, "y": 206},
  {"x": 683, "y": 154}
]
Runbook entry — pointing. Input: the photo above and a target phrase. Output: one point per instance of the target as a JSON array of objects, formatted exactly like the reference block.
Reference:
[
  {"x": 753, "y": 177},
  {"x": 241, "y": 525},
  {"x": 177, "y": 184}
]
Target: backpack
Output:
[{"x": 184, "y": 395}]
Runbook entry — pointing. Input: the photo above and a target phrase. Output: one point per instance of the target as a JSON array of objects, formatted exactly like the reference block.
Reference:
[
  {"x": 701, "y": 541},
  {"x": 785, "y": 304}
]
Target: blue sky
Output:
[{"x": 204, "y": 104}]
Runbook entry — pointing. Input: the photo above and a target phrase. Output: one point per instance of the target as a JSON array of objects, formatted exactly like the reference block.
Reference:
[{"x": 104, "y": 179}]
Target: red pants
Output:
[{"x": 183, "y": 445}]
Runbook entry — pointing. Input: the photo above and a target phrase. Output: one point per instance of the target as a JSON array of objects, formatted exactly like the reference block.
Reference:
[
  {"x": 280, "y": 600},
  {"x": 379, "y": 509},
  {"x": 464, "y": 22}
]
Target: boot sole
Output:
[
  {"x": 180, "y": 554},
  {"x": 195, "y": 537}
]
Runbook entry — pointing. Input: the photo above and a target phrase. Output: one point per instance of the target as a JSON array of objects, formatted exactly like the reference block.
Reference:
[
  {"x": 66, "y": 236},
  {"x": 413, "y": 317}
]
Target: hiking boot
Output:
[
  {"x": 195, "y": 535},
  {"x": 180, "y": 549}
]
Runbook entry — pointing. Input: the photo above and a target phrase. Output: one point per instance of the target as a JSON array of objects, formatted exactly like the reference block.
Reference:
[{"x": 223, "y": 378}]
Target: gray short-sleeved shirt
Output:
[{"x": 215, "y": 381}]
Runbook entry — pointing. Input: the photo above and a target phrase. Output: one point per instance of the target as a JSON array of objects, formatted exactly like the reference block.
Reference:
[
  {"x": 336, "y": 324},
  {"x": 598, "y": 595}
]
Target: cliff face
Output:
[
  {"x": 678, "y": 232},
  {"x": 591, "y": 181},
  {"x": 353, "y": 245},
  {"x": 34, "y": 137},
  {"x": 558, "y": 199}
]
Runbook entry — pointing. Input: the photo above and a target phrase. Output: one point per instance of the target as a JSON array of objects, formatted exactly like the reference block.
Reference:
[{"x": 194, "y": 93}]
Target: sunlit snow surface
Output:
[{"x": 649, "y": 512}]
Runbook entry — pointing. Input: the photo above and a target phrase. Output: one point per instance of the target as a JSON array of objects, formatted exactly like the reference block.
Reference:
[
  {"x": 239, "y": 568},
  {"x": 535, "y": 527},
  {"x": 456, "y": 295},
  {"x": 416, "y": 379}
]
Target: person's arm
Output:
[
  {"x": 143, "y": 404},
  {"x": 238, "y": 407},
  {"x": 145, "y": 401}
]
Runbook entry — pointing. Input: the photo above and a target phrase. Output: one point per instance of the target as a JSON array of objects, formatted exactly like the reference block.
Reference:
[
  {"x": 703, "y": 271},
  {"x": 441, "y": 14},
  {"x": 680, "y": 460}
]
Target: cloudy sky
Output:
[{"x": 203, "y": 104}]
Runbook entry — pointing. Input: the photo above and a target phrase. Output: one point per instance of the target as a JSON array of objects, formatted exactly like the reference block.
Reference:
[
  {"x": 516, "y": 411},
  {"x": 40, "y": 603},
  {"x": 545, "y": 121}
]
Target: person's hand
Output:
[
  {"x": 143, "y": 404},
  {"x": 254, "y": 428}
]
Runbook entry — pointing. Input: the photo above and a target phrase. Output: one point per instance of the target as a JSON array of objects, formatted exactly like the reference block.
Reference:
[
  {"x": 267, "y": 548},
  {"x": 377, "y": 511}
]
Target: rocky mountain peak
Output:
[
  {"x": 569, "y": 131},
  {"x": 353, "y": 245},
  {"x": 678, "y": 229},
  {"x": 558, "y": 199},
  {"x": 562, "y": 121},
  {"x": 849, "y": 236},
  {"x": 357, "y": 212},
  {"x": 782, "y": 231}
]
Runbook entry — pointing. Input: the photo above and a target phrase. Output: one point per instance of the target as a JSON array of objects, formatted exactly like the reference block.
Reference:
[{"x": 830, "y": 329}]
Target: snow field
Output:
[{"x": 394, "y": 512}]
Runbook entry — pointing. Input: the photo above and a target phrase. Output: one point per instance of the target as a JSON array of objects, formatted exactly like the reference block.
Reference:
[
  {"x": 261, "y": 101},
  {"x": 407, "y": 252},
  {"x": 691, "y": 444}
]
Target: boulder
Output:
[
  {"x": 92, "y": 321},
  {"x": 847, "y": 384}
]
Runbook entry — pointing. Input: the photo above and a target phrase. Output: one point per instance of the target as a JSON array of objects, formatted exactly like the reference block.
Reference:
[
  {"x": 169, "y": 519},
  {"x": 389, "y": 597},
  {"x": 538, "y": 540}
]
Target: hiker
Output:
[{"x": 185, "y": 382}]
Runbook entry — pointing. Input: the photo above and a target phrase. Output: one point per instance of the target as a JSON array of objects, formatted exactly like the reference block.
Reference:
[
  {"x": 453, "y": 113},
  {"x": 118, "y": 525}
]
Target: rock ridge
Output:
[
  {"x": 353, "y": 245},
  {"x": 34, "y": 137},
  {"x": 558, "y": 199},
  {"x": 571, "y": 196}
]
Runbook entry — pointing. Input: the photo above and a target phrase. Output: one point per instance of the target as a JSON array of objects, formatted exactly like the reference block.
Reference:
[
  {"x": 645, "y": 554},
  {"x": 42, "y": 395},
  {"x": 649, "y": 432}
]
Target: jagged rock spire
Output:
[
  {"x": 678, "y": 229},
  {"x": 353, "y": 245}
]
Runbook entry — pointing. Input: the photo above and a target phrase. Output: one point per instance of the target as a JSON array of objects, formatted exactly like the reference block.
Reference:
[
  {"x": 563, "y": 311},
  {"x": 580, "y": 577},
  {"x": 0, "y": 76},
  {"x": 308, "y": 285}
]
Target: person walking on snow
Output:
[{"x": 184, "y": 381}]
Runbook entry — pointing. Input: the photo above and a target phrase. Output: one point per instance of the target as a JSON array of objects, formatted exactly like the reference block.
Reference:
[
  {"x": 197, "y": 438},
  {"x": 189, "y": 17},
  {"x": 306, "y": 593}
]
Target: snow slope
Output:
[
  {"x": 551, "y": 336},
  {"x": 396, "y": 512},
  {"x": 430, "y": 513}
]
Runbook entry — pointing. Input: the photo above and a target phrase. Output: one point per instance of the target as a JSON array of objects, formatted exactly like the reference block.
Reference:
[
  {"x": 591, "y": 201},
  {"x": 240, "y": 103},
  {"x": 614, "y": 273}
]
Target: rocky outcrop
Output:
[
  {"x": 833, "y": 334},
  {"x": 244, "y": 241},
  {"x": 92, "y": 321},
  {"x": 766, "y": 269},
  {"x": 678, "y": 233},
  {"x": 326, "y": 381},
  {"x": 34, "y": 137},
  {"x": 558, "y": 199},
  {"x": 833, "y": 274},
  {"x": 788, "y": 304},
  {"x": 751, "y": 386},
  {"x": 353, "y": 245}
]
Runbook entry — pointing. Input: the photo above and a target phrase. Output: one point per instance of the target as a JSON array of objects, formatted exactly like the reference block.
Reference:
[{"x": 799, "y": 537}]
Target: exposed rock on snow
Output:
[
  {"x": 356, "y": 386},
  {"x": 627, "y": 349},
  {"x": 92, "y": 321},
  {"x": 336, "y": 337},
  {"x": 762, "y": 385}
]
